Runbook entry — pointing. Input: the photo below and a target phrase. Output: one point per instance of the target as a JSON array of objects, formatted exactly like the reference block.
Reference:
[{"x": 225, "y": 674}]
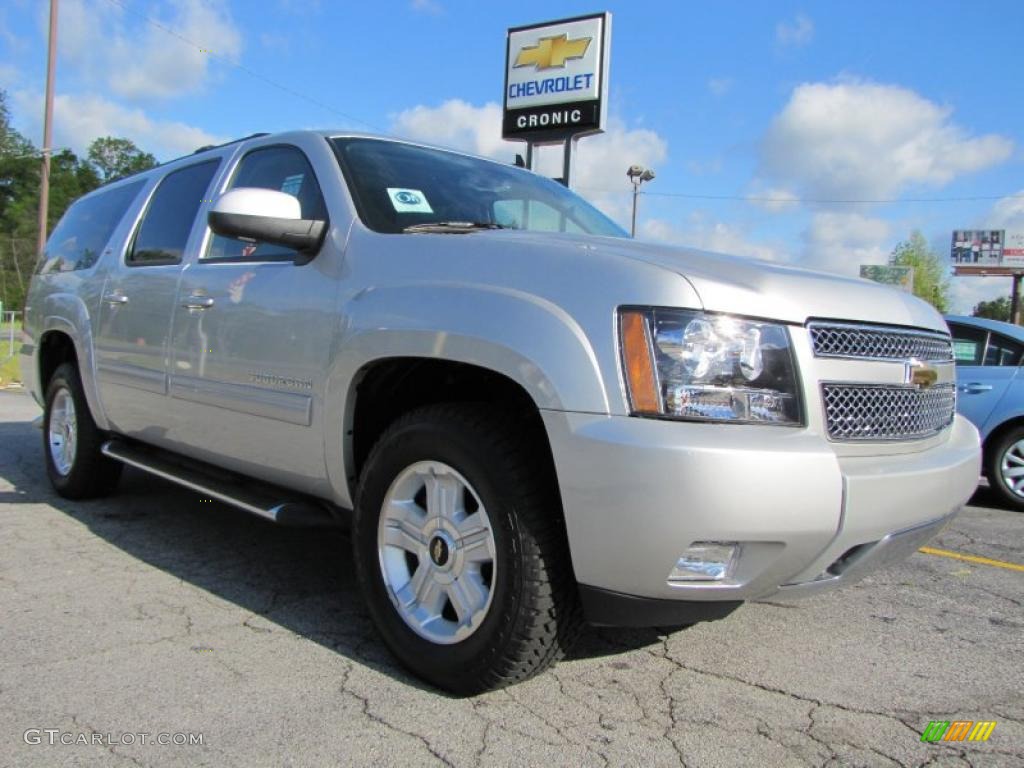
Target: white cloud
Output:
[
  {"x": 140, "y": 61},
  {"x": 701, "y": 232},
  {"x": 1008, "y": 213},
  {"x": 799, "y": 31},
  {"x": 966, "y": 292},
  {"x": 457, "y": 124},
  {"x": 719, "y": 86},
  {"x": 841, "y": 242},
  {"x": 867, "y": 141},
  {"x": 79, "y": 119},
  {"x": 600, "y": 165}
]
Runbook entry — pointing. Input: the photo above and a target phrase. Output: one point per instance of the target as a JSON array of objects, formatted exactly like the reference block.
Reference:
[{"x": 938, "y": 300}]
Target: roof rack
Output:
[{"x": 208, "y": 147}]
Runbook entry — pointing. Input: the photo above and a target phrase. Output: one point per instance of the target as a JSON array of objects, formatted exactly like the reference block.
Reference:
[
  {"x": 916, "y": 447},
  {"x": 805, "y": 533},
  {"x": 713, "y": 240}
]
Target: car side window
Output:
[
  {"x": 167, "y": 223},
  {"x": 86, "y": 227},
  {"x": 968, "y": 344},
  {"x": 283, "y": 168},
  {"x": 1003, "y": 351}
]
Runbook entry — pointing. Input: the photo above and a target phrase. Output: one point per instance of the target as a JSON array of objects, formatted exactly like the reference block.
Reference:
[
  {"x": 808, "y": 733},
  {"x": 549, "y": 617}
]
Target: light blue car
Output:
[{"x": 990, "y": 393}]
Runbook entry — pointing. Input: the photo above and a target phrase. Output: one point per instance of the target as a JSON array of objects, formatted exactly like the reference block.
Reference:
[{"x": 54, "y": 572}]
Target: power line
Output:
[
  {"x": 813, "y": 200},
  {"x": 252, "y": 73}
]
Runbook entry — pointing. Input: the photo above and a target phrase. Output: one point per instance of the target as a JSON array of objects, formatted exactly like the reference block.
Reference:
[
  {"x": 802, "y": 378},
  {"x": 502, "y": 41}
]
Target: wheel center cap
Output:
[{"x": 440, "y": 550}]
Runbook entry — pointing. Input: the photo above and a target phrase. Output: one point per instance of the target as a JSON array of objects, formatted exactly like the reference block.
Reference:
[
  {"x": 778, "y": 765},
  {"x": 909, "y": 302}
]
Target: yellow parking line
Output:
[{"x": 971, "y": 558}]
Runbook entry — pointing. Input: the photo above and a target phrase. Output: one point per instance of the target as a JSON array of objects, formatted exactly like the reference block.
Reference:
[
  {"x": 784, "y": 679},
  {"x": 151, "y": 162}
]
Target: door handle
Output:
[
  {"x": 197, "y": 301},
  {"x": 115, "y": 299},
  {"x": 975, "y": 387}
]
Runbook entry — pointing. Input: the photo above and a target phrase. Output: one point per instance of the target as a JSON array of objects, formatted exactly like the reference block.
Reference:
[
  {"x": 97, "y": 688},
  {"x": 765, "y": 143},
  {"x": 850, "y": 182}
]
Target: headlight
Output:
[{"x": 690, "y": 365}]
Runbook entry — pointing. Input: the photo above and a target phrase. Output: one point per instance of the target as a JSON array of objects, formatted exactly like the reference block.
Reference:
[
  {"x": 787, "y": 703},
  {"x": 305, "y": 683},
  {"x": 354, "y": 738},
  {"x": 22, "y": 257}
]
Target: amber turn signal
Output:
[{"x": 636, "y": 353}]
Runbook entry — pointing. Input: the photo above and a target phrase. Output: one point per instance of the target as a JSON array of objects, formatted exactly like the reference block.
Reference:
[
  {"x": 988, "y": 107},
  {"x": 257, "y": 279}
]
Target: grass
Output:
[{"x": 10, "y": 370}]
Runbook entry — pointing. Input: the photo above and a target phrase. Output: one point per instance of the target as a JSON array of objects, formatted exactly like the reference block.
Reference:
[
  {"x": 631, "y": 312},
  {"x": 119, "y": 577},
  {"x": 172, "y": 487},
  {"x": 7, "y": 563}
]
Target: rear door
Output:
[
  {"x": 986, "y": 366},
  {"x": 138, "y": 304}
]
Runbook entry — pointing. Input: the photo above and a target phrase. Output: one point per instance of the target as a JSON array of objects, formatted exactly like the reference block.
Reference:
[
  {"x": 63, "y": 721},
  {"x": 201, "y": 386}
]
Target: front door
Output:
[{"x": 251, "y": 345}]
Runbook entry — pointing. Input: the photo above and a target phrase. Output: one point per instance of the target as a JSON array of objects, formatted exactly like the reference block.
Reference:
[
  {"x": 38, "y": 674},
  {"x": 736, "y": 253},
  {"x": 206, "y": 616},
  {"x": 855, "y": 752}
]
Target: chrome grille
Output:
[
  {"x": 879, "y": 412},
  {"x": 870, "y": 342}
]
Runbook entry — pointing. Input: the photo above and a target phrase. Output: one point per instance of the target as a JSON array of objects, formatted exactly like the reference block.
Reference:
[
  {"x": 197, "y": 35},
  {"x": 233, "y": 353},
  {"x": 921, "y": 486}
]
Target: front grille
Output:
[
  {"x": 869, "y": 412},
  {"x": 879, "y": 343}
]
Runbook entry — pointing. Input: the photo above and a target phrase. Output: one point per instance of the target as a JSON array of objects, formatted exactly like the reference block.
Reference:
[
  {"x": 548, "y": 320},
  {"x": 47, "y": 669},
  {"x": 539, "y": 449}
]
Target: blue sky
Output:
[{"x": 793, "y": 102}]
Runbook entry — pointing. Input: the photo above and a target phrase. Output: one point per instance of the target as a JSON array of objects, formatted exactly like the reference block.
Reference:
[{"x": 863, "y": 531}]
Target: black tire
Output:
[
  {"x": 90, "y": 474},
  {"x": 534, "y": 613},
  {"x": 993, "y": 467}
]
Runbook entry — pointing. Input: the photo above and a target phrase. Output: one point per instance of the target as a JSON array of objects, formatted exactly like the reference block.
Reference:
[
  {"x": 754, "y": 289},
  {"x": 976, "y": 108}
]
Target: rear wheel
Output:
[
  {"x": 460, "y": 549},
  {"x": 71, "y": 440},
  {"x": 1005, "y": 468}
]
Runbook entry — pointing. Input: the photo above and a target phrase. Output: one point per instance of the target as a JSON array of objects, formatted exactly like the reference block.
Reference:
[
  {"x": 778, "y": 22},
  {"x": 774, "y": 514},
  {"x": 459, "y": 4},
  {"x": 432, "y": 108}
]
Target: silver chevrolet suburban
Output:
[{"x": 530, "y": 420}]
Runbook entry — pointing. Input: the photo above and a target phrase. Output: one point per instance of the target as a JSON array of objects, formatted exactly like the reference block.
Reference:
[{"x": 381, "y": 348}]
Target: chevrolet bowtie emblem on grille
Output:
[
  {"x": 920, "y": 375},
  {"x": 551, "y": 52}
]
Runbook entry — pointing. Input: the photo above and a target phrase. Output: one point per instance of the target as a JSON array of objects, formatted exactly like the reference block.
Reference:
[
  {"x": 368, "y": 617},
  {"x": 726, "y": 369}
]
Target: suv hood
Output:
[{"x": 779, "y": 292}]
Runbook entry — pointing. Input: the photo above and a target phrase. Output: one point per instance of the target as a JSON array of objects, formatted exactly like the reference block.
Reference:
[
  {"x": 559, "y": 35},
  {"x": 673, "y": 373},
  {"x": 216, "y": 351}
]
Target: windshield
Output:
[{"x": 397, "y": 186}]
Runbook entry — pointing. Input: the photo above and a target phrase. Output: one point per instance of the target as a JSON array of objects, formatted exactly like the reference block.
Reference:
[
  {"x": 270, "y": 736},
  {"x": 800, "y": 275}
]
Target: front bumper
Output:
[{"x": 638, "y": 492}]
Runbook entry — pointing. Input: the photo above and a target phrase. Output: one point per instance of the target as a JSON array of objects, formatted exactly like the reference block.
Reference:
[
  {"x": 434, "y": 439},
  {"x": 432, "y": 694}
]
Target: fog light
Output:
[{"x": 706, "y": 561}]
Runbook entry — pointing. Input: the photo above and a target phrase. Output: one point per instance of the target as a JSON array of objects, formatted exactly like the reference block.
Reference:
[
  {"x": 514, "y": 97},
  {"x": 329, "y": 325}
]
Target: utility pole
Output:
[{"x": 44, "y": 175}]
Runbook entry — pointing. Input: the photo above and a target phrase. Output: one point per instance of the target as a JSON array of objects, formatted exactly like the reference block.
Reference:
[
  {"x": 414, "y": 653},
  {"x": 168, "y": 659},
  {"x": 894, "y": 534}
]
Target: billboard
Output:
[
  {"x": 987, "y": 252},
  {"x": 556, "y": 78},
  {"x": 898, "y": 277}
]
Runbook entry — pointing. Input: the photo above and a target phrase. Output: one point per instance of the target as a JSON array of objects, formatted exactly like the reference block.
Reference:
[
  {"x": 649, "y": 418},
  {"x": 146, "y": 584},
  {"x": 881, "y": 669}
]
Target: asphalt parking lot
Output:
[{"x": 155, "y": 612}]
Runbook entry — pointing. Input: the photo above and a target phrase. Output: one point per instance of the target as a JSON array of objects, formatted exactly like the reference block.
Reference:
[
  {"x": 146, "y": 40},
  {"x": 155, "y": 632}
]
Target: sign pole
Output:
[{"x": 570, "y": 147}]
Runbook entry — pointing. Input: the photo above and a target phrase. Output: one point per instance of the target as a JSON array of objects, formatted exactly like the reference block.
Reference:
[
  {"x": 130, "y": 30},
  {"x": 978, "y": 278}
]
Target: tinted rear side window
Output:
[
  {"x": 1002, "y": 351},
  {"x": 86, "y": 227},
  {"x": 168, "y": 221}
]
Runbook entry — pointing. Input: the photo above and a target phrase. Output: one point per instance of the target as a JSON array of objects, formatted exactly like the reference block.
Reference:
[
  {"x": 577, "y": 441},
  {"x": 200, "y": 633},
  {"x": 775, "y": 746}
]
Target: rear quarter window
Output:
[{"x": 85, "y": 229}]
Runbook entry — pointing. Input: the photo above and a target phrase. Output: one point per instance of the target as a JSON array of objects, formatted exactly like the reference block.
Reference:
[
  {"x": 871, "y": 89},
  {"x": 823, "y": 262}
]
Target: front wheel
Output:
[
  {"x": 460, "y": 549},
  {"x": 1005, "y": 468}
]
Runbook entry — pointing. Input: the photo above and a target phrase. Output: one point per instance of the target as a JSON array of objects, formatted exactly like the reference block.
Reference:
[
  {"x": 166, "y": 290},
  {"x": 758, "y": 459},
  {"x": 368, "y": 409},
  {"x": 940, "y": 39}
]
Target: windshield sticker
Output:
[{"x": 409, "y": 200}]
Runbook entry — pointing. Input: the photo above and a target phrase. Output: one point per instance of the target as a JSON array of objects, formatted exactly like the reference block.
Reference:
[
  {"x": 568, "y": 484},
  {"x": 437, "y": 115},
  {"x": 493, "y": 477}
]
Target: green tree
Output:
[
  {"x": 997, "y": 309},
  {"x": 113, "y": 158},
  {"x": 20, "y": 165},
  {"x": 930, "y": 280}
]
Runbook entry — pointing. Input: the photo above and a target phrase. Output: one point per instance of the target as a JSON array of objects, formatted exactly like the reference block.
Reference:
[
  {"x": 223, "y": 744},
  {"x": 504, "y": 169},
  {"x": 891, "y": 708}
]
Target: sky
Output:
[{"x": 762, "y": 120}]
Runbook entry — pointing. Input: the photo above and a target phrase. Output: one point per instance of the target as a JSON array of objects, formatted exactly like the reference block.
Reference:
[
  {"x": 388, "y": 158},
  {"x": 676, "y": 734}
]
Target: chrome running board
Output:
[{"x": 269, "y": 502}]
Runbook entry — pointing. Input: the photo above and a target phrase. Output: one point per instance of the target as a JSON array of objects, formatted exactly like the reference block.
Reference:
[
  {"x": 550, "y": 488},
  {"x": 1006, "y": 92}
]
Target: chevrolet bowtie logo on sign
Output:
[
  {"x": 556, "y": 78},
  {"x": 552, "y": 52}
]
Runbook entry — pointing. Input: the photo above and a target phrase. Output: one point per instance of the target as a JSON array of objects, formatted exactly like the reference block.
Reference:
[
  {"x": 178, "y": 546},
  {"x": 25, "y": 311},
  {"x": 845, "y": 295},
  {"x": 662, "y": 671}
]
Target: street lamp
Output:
[{"x": 638, "y": 175}]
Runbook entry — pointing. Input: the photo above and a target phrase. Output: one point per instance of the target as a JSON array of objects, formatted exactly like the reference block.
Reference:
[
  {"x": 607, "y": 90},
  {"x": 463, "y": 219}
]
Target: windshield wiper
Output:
[{"x": 452, "y": 227}]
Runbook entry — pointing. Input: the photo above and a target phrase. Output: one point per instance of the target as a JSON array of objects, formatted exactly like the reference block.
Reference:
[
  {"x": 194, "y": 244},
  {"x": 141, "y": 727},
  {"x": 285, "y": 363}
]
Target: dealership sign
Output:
[{"x": 556, "y": 78}]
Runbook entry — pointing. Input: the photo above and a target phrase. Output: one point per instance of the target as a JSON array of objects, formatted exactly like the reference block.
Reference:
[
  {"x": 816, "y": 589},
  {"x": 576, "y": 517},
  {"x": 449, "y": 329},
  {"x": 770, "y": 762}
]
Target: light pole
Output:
[{"x": 638, "y": 175}]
